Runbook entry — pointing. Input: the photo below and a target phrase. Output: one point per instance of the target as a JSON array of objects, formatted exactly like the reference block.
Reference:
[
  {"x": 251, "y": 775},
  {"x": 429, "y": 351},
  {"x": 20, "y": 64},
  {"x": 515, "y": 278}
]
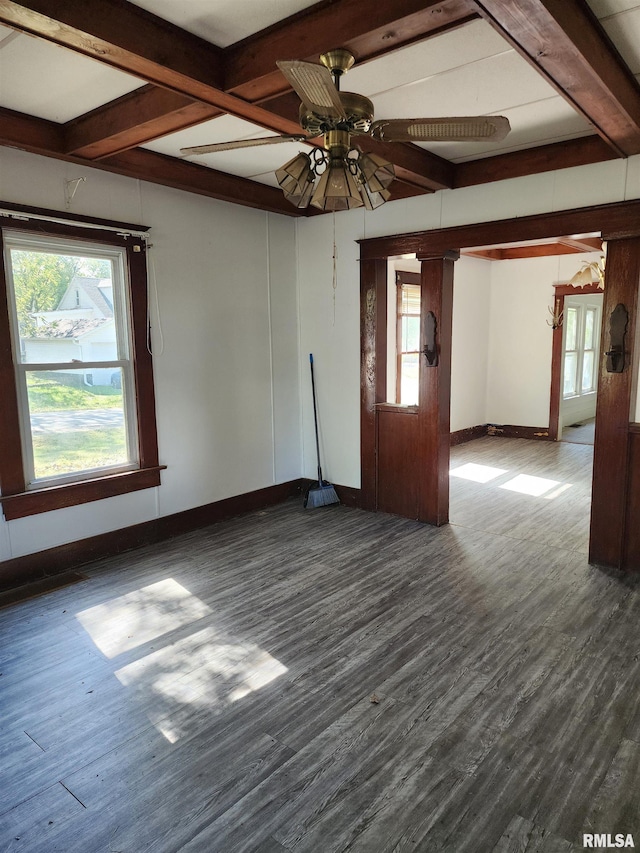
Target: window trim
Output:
[{"x": 17, "y": 500}]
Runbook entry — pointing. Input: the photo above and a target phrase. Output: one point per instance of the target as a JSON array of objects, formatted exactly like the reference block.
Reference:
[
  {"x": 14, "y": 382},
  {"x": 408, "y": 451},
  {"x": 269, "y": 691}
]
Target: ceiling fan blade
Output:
[
  {"x": 242, "y": 143},
  {"x": 315, "y": 87},
  {"x": 448, "y": 129}
]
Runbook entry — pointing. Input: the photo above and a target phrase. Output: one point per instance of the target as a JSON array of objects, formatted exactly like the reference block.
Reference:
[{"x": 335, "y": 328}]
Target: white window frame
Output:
[{"x": 25, "y": 241}]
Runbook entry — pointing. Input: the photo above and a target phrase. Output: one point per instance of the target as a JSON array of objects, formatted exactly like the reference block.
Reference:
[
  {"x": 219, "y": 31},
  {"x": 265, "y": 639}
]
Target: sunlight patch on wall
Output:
[
  {"x": 140, "y": 616},
  {"x": 526, "y": 484},
  {"x": 477, "y": 473}
]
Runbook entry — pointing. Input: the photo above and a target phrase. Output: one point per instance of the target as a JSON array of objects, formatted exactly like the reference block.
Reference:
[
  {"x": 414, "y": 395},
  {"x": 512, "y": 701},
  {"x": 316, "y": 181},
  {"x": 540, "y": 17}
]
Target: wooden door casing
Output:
[{"x": 614, "y": 511}]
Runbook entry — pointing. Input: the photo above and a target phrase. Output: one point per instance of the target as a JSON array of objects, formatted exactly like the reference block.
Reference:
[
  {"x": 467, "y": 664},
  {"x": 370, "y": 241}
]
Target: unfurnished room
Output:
[{"x": 319, "y": 426}]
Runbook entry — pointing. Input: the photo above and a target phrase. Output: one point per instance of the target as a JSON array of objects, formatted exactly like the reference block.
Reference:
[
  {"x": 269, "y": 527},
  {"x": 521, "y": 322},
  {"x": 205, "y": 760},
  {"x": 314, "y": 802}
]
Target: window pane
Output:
[
  {"x": 64, "y": 306},
  {"x": 409, "y": 379},
  {"x": 410, "y": 334},
  {"x": 77, "y": 421},
  {"x": 588, "y": 361},
  {"x": 570, "y": 370},
  {"x": 571, "y": 325},
  {"x": 589, "y": 328},
  {"x": 410, "y": 301}
]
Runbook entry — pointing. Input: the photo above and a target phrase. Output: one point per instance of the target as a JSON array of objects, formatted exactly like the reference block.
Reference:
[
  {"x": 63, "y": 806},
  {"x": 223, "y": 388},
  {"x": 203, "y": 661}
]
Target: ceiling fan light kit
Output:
[{"x": 339, "y": 176}]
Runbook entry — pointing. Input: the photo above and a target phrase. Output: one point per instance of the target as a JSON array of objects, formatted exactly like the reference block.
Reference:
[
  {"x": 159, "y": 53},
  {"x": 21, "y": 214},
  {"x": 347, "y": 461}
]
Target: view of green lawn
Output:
[
  {"x": 80, "y": 450},
  {"x": 47, "y": 395},
  {"x": 74, "y": 450}
]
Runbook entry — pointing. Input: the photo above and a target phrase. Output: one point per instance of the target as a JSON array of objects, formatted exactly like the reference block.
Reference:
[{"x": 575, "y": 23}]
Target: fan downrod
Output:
[{"x": 338, "y": 61}]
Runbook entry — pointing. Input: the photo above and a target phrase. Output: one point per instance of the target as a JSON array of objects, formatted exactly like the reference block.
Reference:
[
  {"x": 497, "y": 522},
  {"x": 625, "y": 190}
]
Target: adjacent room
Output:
[{"x": 440, "y": 203}]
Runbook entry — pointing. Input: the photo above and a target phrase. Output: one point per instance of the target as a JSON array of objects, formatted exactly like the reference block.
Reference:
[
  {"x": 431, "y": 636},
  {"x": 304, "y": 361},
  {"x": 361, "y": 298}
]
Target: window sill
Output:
[{"x": 72, "y": 494}]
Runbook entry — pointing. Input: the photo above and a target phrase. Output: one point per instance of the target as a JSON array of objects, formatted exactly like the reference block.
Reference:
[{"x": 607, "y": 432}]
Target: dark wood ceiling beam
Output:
[
  {"x": 179, "y": 174},
  {"x": 366, "y": 29},
  {"x": 129, "y": 38},
  {"x": 564, "y": 41},
  {"x": 29, "y": 133},
  {"x": 132, "y": 120},
  {"x": 533, "y": 161},
  {"x": 39, "y": 136}
]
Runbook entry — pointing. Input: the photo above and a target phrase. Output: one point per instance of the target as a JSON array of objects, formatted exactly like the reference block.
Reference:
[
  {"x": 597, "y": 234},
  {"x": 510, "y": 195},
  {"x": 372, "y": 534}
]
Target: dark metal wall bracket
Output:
[
  {"x": 430, "y": 350},
  {"x": 618, "y": 323}
]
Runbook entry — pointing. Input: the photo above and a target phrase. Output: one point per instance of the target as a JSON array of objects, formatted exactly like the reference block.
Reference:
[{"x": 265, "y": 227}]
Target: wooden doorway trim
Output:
[
  {"x": 619, "y": 225},
  {"x": 561, "y": 291}
]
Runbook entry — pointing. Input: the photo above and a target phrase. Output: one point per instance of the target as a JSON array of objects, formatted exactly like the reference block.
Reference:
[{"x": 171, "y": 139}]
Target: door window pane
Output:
[
  {"x": 408, "y": 344},
  {"x": 409, "y": 379}
]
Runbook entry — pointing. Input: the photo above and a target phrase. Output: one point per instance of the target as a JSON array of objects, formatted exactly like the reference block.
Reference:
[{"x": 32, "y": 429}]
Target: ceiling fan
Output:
[{"x": 347, "y": 177}]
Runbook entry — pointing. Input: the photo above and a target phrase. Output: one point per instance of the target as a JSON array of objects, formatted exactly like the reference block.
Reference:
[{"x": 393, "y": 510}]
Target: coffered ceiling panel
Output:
[
  {"x": 245, "y": 162},
  {"x": 623, "y": 28},
  {"x": 54, "y": 83},
  {"x": 224, "y": 22}
]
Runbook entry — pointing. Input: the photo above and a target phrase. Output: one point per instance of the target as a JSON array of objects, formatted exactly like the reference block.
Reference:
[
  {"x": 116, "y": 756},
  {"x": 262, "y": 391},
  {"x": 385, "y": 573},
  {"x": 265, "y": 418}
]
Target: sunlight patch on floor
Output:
[
  {"x": 477, "y": 473},
  {"x": 526, "y": 484},
  {"x": 141, "y": 616}
]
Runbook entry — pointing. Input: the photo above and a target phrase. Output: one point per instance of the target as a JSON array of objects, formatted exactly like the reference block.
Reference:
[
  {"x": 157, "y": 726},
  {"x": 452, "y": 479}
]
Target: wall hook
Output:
[
  {"x": 556, "y": 315},
  {"x": 70, "y": 189},
  {"x": 430, "y": 350},
  {"x": 618, "y": 322}
]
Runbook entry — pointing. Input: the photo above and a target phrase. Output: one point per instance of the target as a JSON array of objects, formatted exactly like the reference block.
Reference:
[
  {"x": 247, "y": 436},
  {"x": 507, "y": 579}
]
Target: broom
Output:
[{"x": 320, "y": 493}]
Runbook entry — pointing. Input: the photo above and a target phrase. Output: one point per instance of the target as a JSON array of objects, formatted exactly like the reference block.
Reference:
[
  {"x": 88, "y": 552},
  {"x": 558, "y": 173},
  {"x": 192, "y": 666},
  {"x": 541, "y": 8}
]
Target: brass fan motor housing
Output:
[{"x": 359, "y": 112}]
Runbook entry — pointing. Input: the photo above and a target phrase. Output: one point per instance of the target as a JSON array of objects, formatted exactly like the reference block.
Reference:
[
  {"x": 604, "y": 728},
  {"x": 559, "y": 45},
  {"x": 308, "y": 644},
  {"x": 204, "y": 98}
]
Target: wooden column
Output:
[
  {"x": 373, "y": 368},
  {"x": 435, "y": 390},
  {"x": 611, "y": 451}
]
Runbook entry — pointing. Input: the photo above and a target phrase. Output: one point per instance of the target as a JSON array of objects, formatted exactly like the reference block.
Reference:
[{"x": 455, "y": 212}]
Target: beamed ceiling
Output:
[{"x": 123, "y": 86}]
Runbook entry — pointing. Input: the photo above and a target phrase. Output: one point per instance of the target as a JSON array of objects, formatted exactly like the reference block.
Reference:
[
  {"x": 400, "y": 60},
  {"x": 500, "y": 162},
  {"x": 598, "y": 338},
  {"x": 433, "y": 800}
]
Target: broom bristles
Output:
[{"x": 321, "y": 494}]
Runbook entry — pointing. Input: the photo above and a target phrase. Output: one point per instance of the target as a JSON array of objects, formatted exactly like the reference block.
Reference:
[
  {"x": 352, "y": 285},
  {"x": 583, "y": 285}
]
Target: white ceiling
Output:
[{"x": 467, "y": 71}]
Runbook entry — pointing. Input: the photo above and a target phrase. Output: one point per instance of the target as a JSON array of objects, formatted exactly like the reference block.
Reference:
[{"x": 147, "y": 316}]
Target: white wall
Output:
[
  {"x": 600, "y": 183},
  {"x": 520, "y": 340},
  {"x": 226, "y": 364},
  {"x": 470, "y": 343},
  {"x": 244, "y": 298}
]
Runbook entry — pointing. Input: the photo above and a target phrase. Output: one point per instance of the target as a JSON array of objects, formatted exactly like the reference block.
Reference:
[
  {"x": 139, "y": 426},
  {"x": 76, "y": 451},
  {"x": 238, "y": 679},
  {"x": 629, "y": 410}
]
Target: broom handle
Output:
[{"x": 315, "y": 418}]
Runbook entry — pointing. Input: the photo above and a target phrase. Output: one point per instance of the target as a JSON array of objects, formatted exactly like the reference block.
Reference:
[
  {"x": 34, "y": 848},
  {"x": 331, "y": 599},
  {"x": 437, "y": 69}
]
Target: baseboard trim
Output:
[
  {"x": 511, "y": 431},
  {"x": 44, "y": 564},
  {"x": 507, "y": 430},
  {"x": 461, "y": 436}
]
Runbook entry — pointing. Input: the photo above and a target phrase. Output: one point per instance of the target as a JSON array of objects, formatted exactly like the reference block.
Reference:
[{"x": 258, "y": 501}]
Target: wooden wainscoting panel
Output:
[{"x": 398, "y": 444}]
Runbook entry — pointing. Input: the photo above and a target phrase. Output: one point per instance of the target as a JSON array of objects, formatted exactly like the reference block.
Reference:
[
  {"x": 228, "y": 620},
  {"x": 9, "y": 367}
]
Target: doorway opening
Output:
[
  {"x": 512, "y": 304},
  {"x": 611, "y": 533}
]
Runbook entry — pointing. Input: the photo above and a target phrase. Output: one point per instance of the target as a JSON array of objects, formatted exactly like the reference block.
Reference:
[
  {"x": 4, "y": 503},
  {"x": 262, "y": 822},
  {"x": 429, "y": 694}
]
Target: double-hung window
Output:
[
  {"x": 78, "y": 416},
  {"x": 581, "y": 325}
]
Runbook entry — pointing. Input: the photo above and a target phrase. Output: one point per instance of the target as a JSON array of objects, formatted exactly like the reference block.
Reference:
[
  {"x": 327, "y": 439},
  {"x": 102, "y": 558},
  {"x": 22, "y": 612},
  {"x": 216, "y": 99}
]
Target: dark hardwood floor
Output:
[{"x": 327, "y": 680}]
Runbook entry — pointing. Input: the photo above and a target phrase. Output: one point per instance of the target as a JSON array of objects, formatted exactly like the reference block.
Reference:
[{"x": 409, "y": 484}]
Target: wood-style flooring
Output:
[{"x": 326, "y": 680}]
